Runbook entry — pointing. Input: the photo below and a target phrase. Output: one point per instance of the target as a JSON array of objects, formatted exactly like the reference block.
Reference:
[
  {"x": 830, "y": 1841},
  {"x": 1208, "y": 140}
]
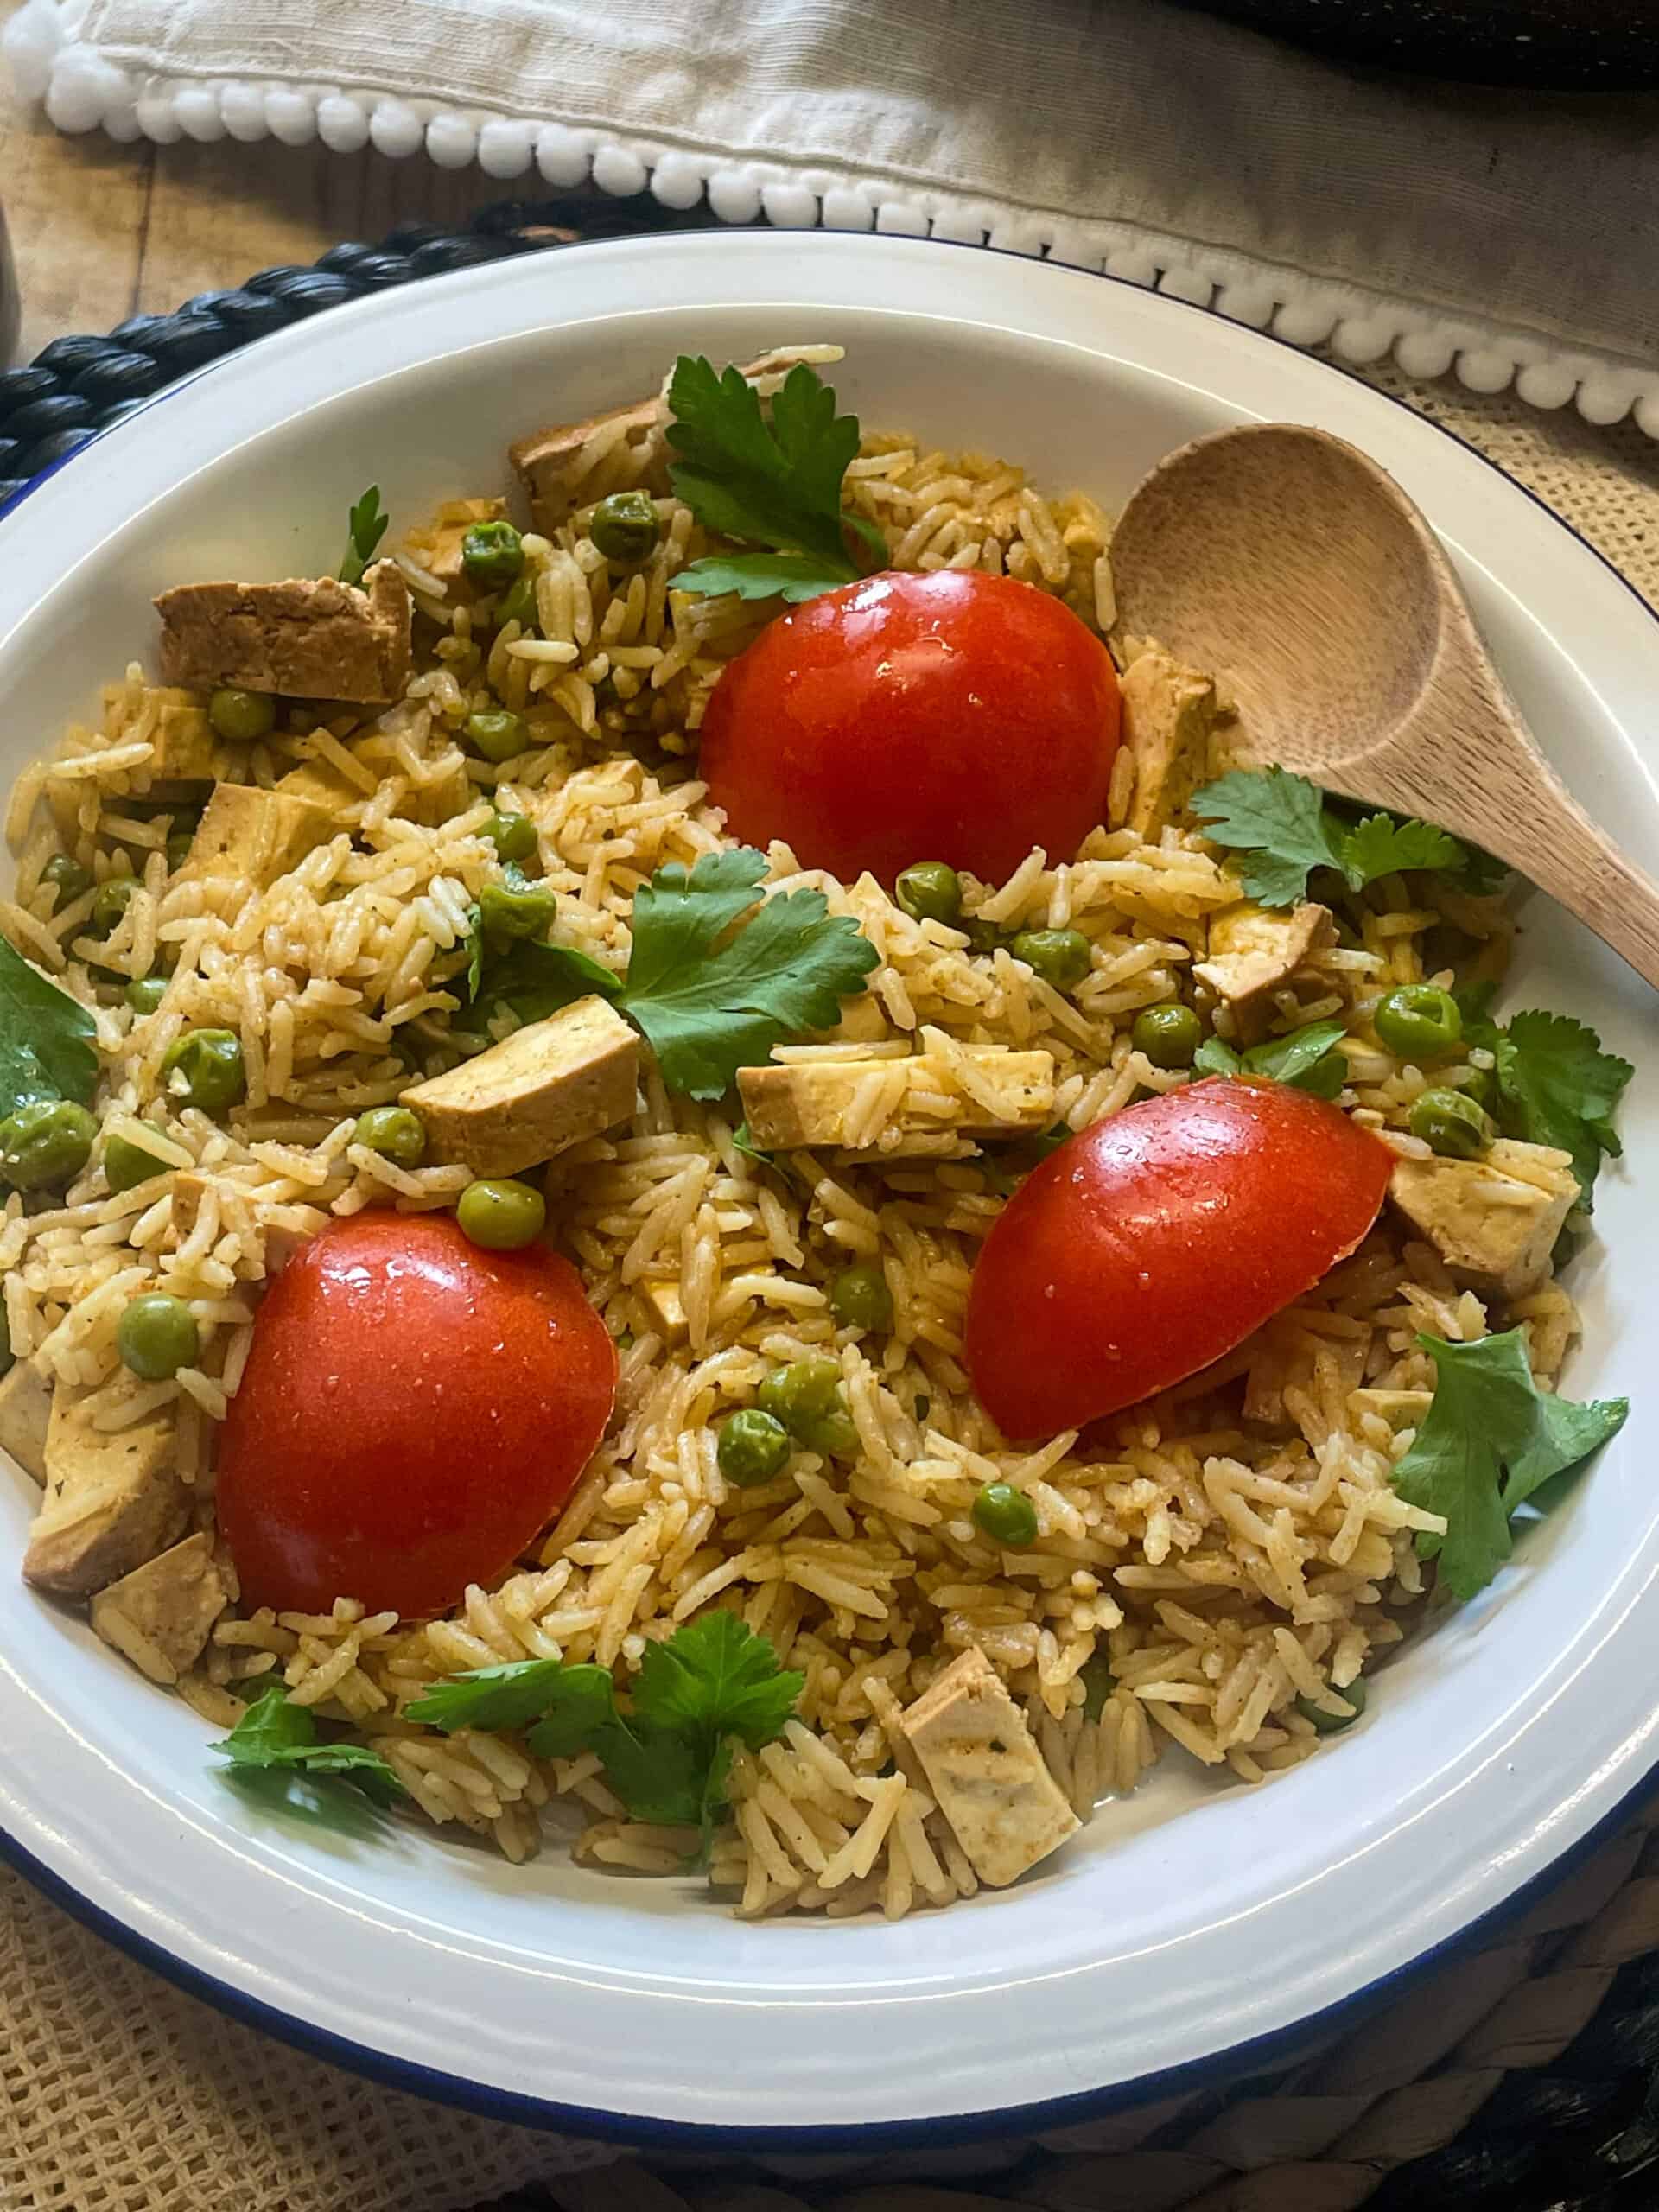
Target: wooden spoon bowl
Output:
[{"x": 1297, "y": 570}]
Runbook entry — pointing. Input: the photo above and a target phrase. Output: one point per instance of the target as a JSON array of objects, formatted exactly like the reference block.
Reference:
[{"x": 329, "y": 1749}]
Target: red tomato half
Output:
[
  {"x": 952, "y": 716},
  {"x": 1151, "y": 1243},
  {"x": 413, "y": 1411}
]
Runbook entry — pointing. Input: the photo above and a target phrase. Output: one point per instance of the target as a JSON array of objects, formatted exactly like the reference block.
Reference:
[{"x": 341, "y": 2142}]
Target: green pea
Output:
[
  {"x": 397, "y": 1133},
  {"x": 1420, "y": 1022},
  {"x": 1168, "y": 1035},
  {"x": 1006, "y": 1515},
  {"x": 242, "y": 715},
  {"x": 929, "y": 891},
  {"x": 502, "y": 1215},
  {"x": 113, "y": 898},
  {"x": 145, "y": 992},
  {"x": 45, "y": 1144},
  {"x": 492, "y": 554},
  {"x": 178, "y": 850},
  {"x": 515, "y": 908},
  {"x": 1061, "y": 958},
  {"x": 806, "y": 1397},
  {"x": 497, "y": 735},
  {"x": 126, "y": 1165},
  {"x": 68, "y": 878},
  {"x": 156, "y": 1336},
  {"x": 1451, "y": 1123},
  {"x": 514, "y": 838},
  {"x": 517, "y": 603},
  {"x": 753, "y": 1448},
  {"x": 860, "y": 1299},
  {"x": 204, "y": 1069},
  {"x": 625, "y": 528},
  {"x": 1333, "y": 1724}
]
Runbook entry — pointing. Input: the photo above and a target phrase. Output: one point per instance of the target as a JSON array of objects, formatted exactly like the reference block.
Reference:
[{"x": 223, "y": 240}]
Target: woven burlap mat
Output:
[{"x": 118, "y": 2093}]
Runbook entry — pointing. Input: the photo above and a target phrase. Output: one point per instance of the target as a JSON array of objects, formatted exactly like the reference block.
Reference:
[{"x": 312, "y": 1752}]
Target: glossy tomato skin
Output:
[
  {"x": 1151, "y": 1243},
  {"x": 952, "y": 716},
  {"x": 413, "y": 1411}
]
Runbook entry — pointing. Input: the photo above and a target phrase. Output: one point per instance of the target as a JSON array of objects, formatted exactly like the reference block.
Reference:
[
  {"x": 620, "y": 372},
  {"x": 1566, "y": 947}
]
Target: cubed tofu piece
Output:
[
  {"x": 665, "y": 1312},
  {"x": 186, "y": 747},
  {"x": 162, "y": 1614},
  {"x": 548, "y": 1086},
  {"x": 1255, "y": 950},
  {"x": 1169, "y": 712},
  {"x": 25, "y": 1412},
  {"x": 888, "y": 1106},
  {"x": 253, "y": 836},
  {"x": 111, "y": 1502},
  {"x": 319, "y": 783},
  {"x": 438, "y": 549},
  {"x": 984, "y": 1769},
  {"x": 449, "y": 792},
  {"x": 308, "y": 638},
  {"x": 1494, "y": 1221},
  {"x": 550, "y": 463}
]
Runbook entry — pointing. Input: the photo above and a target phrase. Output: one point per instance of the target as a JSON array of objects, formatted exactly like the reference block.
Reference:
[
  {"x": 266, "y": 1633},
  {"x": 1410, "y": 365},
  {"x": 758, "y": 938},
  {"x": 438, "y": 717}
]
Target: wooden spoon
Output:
[{"x": 1283, "y": 561}]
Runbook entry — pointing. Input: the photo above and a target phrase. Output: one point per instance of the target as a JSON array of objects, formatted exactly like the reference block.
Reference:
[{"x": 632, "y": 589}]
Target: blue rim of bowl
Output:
[{"x": 1257, "y": 2055}]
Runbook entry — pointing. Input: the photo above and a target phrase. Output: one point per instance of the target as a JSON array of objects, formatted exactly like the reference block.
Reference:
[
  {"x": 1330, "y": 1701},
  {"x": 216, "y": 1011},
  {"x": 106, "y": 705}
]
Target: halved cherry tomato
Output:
[
  {"x": 413, "y": 1411},
  {"x": 1150, "y": 1244},
  {"x": 952, "y": 716}
]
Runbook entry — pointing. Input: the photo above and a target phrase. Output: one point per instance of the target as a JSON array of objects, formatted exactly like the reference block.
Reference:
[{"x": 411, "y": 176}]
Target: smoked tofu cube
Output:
[
  {"x": 986, "y": 1772},
  {"x": 25, "y": 1412},
  {"x": 665, "y": 1312},
  {"x": 319, "y": 783},
  {"x": 185, "y": 745},
  {"x": 1254, "y": 951},
  {"x": 254, "y": 836},
  {"x": 162, "y": 1614},
  {"x": 1169, "y": 712},
  {"x": 895, "y": 1105},
  {"x": 548, "y": 1086},
  {"x": 574, "y": 463},
  {"x": 308, "y": 638},
  {"x": 111, "y": 1502},
  {"x": 1494, "y": 1222}
]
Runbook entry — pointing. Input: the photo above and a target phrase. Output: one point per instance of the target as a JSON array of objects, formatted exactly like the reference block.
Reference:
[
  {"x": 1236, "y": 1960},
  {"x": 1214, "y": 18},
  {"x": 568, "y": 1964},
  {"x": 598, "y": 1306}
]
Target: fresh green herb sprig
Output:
[
  {"x": 775, "y": 484},
  {"x": 1283, "y": 826},
  {"x": 275, "y": 1733},
  {"x": 669, "y": 1757},
  {"x": 45, "y": 1049},
  {"x": 1552, "y": 1081},
  {"x": 1489, "y": 1439},
  {"x": 707, "y": 995},
  {"x": 1307, "y": 1059},
  {"x": 366, "y": 527}
]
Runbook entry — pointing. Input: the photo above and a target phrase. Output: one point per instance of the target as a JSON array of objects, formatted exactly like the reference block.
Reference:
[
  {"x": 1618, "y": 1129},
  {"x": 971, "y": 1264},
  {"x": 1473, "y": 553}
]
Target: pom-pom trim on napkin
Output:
[{"x": 83, "y": 90}]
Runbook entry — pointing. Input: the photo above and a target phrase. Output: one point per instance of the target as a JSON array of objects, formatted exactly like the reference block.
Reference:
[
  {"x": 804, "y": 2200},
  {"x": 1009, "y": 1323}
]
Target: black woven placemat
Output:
[{"x": 1524, "y": 2077}]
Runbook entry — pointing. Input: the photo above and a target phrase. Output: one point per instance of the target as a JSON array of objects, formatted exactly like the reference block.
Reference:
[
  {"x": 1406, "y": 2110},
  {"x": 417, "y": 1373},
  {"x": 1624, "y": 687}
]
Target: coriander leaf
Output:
[
  {"x": 1489, "y": 1438},
  {"x": 777, "y": 485},
  {"x": 1483, "y": 875},
  {"x": 1383, "y": 844},
  {"x": 581, "y": 1704},
  {"x": 708, "y": 1007},
  {"x": 1307, "y": 1059},
  {"x": 717, "y": 1675},
  {"x": 274, "y": 1733},
  {"x": 1216, "y": 1057},
  {"x": 660, "y": 1778},
  {"x": 1556, "y": 1086},
  {"x": 789, "y": 576},
  {"x": 45, "y": 1050},
  {"x": 1098, "y": 1683},
  {"x": 536, "y": 980},
  {"x": 1279, "y": 823},
  {"x": 743, "y": 1142},
  {"x": 508, "y": 1696},
  {"x": 367, "y": 528}
]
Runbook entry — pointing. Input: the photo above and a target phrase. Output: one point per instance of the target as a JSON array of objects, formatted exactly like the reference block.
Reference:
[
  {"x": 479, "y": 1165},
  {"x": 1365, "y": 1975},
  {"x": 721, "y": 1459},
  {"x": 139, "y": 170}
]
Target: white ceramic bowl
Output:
[{"x": 1195, "y": 1919}]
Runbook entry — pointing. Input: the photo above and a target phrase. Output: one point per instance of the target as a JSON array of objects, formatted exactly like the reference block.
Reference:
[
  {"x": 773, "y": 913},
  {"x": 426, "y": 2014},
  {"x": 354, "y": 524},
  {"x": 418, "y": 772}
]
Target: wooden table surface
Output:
[{"x": 100, "y": 232}]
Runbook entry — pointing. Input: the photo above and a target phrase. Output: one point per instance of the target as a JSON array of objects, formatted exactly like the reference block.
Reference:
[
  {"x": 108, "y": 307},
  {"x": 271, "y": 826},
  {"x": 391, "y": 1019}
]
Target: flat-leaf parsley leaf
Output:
[
  {"x": 1283, "y": 828},
  {"x": 366, "y": 527},
  {"x": 1307, "y": 1059},
  {"x": 274, "y": 1733},
  {"x": 1489, "y": 1438},
  {"x": 45, "y": 1036},
  {"x": 1553, "y": 1084}
]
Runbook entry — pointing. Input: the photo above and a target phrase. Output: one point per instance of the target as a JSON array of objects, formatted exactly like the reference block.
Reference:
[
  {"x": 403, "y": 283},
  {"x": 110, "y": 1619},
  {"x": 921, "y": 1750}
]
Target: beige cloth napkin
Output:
[
  {"x": 1514, "y": 232},
  {"x": 118, "y": 2093}
]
